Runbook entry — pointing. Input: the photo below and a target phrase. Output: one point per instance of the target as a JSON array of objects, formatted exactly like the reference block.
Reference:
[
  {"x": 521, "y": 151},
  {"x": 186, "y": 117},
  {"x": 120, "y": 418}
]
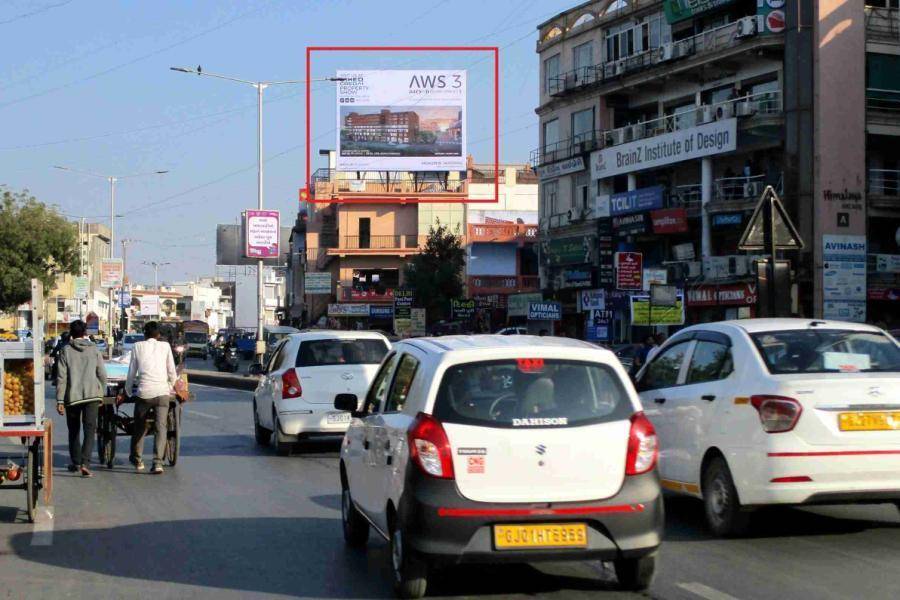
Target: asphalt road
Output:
[{"x": 232, "y": 520}]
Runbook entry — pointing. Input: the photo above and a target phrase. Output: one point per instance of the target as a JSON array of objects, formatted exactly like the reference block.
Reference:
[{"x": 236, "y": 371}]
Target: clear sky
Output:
[{"x": 86, "y": 84}]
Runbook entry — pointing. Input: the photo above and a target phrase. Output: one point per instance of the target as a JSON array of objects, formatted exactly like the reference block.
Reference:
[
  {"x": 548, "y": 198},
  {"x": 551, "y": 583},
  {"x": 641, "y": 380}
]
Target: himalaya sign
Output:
[{"x": 687, "y": 144}]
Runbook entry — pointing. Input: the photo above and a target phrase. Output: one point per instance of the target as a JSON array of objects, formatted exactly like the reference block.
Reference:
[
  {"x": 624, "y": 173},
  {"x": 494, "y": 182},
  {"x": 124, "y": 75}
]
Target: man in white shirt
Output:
[{"x": 154, "y": 367}]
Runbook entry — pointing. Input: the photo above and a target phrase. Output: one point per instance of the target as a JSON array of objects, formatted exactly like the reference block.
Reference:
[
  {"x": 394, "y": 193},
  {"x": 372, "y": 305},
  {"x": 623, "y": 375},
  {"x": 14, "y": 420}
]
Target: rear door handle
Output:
[
  {"x": 659, "y": 400},
  {"x": 366, "y": 444},
  {"x": 708, "y": 397}
]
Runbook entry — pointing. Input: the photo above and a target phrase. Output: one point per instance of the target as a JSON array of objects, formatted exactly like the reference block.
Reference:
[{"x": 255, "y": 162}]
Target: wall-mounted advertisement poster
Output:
[{"x": 403, "y": 120}]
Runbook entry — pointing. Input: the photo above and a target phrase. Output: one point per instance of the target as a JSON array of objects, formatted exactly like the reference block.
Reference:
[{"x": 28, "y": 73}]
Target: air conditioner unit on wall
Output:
[
  {"x": 665, "y": 52},
  {"x": 615, "y": 137},
  {"x": 724, "y": 111},
  {"x": 746, "y": 27},
  {"x": 628, "y": 134},
  {"x": 619, "y": 67},
  {"x": 705, "y": 114},
  {"x": 637, "y": 132}
]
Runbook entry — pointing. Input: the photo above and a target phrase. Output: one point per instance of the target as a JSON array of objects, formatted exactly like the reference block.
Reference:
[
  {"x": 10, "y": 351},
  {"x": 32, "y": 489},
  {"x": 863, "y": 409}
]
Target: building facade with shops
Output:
[{"x": 662, "y": 122}]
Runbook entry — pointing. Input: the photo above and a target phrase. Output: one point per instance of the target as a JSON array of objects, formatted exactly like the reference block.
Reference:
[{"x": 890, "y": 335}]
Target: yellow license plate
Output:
[
  {"x": 869, "y": 421},
  {"x": 542, "y": 535}
]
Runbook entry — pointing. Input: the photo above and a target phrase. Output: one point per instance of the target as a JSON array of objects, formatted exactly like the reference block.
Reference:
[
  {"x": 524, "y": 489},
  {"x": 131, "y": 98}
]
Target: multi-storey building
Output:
[{"x": 661, "y": 122}]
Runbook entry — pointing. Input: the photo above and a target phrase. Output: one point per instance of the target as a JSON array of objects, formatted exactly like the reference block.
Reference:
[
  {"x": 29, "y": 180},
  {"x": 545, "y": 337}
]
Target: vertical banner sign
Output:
[
  {"x": 81, "y": 287},
  {"x": 844, "y": 277},
  {"x": 262, "y": 233},
  {"x": 124, "y": 298},
  {"x": 417, "y": 321},
  {"x": 111, "y": 272},
  {"x": 598, "y": 326},
  {"x": 629, "y": 270},
  {"x": 403, "y": 299},
  {"x": 401, "y": 120}
]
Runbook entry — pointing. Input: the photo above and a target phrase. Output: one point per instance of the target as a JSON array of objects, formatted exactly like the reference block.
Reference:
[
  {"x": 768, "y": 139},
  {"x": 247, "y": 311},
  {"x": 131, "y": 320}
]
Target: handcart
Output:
[
  {"x": 22, "y": 421},
  {"x": 113, "y": 420}
]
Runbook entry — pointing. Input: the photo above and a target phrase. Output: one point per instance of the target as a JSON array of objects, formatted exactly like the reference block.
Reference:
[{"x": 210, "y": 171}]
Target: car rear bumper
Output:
[
  {"x": 303, "y": 422},
  {"x": 447, "y": 528}
]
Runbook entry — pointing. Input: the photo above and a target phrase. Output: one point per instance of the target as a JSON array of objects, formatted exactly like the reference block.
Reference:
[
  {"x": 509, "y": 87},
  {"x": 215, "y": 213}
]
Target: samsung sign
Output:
[{"x": 704, "y": 140}]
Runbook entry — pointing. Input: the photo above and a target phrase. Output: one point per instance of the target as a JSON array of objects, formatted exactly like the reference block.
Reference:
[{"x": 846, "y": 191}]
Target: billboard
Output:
[
  {"x": 111, "y": 272},
  {"x": 401, "y": 120},
  {"x": 82, "y": 287},
  {"x": 262, "y": 233},
  {"x": 149, "y": 306}
]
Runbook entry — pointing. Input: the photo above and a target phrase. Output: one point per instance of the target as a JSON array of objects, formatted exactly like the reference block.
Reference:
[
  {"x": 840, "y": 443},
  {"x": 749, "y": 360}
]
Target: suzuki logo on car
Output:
[
  {"x": 540, "y": 449},
  {"x": 346, "y": 376},
  {"x": 875, "y": 392}
]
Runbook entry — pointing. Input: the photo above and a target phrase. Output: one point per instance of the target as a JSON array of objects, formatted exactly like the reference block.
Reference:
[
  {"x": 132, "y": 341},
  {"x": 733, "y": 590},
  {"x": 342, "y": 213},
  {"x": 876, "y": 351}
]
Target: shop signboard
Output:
[
  {"x": 576, "y": 278},
  {"x": 633, "y": 201},
  {"x": 725, "y": 220},
  {"x": 544, "y": 311},
  {"x": 685, "y": 144},
  {"x": 682, "y": 10},
  {"x": 149, "y": 305},
  {"x": 563, "y": 167},
  {"x": 887, "y": 263},
  {"x": 111, "y": 271},
  {"x": 401, "y": 120},
  {"x": 844, "y": 277},
  {"x": 417, "y": 324},
  {"x": 770, "y": 16},
  {"x": 884, "y": 294},
  {"x": 669, "y": 220},
  {"x": 263, "y": 231},
  {"x": 517, "y": 304},
  {"x": 629, "y": 270},
  {"x": 403, "y": 299},
  {"x": 683, "y": 251},
  {"x": 317, "y": 283},
  {"x": 589, "y": 300},
  {"x": 641, "y": 313},
  {"x": 461, "y": 310},
  {"x": 577, "y": 250},
  {"x": 726, "y": 294},
  {"x": 381, "y": 311},
  {"x": 348, "y": 310},
  {"x": 82, "y": 285},
  {"x": 634, "y": 224},
  {"x": 599, "y": 325},
  {"x": 655, "y": 276},
  {"x": 489, "y": 301},
  {"x": 370, "y": 294},
  {"x": 124, "y": 298}
]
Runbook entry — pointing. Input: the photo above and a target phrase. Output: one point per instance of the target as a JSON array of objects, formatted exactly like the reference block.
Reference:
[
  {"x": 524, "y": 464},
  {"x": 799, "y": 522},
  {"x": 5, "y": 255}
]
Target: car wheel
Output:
[
  {"x": 635, "y": 574},
  {"x": 263, "y": 435},
  {"x": 410, "y": 572},
  {"x": 282, "y": 447},
  {"x": 356, "y": 528},
  {"x": 724, "y": 515}
]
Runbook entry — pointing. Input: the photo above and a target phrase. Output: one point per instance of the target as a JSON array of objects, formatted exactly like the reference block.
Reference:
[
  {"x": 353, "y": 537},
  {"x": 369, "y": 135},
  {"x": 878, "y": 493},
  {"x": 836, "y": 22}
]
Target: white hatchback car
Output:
[
  {"x": 295, "y": 395},
  {"x": 496, "y": 448},
  {"x": 776, "y": 411}
]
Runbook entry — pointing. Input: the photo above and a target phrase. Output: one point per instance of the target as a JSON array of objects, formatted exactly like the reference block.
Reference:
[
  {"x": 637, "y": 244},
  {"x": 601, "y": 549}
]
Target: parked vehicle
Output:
[
  {"x": 294, "y": 398},
  {"x": 273, "y": 335},
  {"x": 196, "y": 338},
  {"x": 128, "y": 341},
  {"x": 501, "y": 449},
  {"x": 757, "y": 412},
  {"x": 246, "y": 344},
  {"x": 626, "y": 353},
  {"x": 513, "y": 331}
]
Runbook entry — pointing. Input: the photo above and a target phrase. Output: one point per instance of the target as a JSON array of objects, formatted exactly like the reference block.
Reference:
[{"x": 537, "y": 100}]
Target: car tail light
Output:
[
  {"x": 290, "y": 385},
  {"x": 643, "y": 446},
  {"x": 777, "y": 414},
  {"x": 429, "y": 447}
]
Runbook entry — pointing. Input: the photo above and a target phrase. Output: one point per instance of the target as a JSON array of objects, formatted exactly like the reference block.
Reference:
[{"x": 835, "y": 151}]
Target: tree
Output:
[
  {"x": 435, "y": 274},
  {"x": 35, "y": 242}
]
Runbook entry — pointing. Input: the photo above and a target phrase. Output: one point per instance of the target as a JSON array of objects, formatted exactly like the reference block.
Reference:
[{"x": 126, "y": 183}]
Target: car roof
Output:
[
  {"x": 334, "y": 334},
  {"x": 761, "y": 325},
  {"x": 280, "y": 329},
  {"x": 488, "y": 342}
]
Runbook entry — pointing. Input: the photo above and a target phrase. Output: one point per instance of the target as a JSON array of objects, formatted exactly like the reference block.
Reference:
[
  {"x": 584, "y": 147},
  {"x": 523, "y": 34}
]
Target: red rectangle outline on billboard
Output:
[{"x": 495, "y": 50}]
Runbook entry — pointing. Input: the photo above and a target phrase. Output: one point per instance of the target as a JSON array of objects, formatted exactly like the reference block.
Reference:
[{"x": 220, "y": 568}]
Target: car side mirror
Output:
[
  {"x": 257, "y": 369},
  {"x": 347, "y": 403}
]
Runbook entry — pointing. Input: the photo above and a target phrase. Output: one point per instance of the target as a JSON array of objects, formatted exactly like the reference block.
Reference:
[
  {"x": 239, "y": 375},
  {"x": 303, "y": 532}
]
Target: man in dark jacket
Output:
[{"x": 80, "y": 386}]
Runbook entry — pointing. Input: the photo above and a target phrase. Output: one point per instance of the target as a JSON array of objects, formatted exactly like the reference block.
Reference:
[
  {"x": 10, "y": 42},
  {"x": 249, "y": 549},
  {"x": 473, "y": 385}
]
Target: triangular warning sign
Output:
[{"x": 784, "y": 231}]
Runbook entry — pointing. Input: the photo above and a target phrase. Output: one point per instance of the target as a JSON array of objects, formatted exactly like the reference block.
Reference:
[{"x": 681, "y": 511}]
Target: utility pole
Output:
[
  {"x": 123, "y": 320},
  {"x": 156, "y": 266}
]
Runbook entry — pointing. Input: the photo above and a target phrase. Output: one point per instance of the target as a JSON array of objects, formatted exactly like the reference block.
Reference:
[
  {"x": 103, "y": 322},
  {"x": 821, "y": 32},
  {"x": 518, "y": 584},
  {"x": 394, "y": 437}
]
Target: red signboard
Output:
[
  {"x": 669, "y": 220},
  {"x": 629, "y": 270},
  {"x": 891, "y": 294},
  {"x": 366, "y": 295},
  {"x": 728, "y": 294}
]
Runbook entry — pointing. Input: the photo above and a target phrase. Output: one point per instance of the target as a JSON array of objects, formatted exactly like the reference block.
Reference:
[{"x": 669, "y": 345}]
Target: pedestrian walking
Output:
[
  {"x": 153, "y": 366},
  {"x": 80, "y": 387}
]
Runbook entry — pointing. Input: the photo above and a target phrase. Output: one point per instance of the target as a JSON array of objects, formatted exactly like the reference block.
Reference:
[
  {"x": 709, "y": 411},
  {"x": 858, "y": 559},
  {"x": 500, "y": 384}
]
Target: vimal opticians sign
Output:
[{"x": 704, "y": 140}]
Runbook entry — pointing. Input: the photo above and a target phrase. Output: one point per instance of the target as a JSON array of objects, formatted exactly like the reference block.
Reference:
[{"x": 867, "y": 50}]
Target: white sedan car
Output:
[
  {"x": 776, "y": 411},
  {"x": 295, "y": 396}
]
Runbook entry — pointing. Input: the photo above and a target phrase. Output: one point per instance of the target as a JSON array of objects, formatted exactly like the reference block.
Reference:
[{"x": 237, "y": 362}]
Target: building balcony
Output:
[
  {"x": 328, "y": 183},
  {"x": 502, "y": 233},
  {"x": 883, "y": 188},
  {"x": 377, "y": 245},
  {"x": 755, "y": 111},
  {"x": 883, "y": 25},
  {"x": 503, "y": 284},
  {"x": 730, "y": 40},
  {"x": 883, "y": 111}
]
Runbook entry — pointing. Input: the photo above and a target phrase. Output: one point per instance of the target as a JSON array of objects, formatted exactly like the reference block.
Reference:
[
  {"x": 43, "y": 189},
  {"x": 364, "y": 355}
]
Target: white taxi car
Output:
[
  {"x": 499, "y": 448},
  {"x": 776, "y": 411},
  {"x": 295, "y": 395}
]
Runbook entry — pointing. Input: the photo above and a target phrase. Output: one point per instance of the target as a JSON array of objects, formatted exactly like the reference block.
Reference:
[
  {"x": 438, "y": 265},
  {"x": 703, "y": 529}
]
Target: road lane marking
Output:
[
  {"x": 704, "y": 591},
  {"x": 42, "y": 534},
  {"x": 202, "y": 414}
]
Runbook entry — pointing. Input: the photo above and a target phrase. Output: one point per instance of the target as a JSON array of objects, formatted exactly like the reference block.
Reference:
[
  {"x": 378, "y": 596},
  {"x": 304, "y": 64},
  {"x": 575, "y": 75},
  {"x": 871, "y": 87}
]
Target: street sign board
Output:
[
  {"x": 81, "y": 287},
  {"x": 262, "y": 233},
  {"x": 111, "y": 272},
  {"x": 317, "y": 283},
  {"x": 785, "y": 233},
  {"x": 629, "y": 270}
]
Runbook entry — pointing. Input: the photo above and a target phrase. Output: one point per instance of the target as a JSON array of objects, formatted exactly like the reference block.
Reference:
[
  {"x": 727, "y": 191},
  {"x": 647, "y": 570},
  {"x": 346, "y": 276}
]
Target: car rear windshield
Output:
[
  {"x": 195, "y": 336},
  {"x": 531, "y": 392},
  {"x": 133, "y": 339},
  {"x": 320, "y": 353},
  {"x": 827, "y": 351}
]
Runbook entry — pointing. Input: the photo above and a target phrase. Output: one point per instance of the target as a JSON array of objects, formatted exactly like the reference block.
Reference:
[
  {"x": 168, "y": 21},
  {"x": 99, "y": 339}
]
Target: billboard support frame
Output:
[{"x": 411, "y": 198}]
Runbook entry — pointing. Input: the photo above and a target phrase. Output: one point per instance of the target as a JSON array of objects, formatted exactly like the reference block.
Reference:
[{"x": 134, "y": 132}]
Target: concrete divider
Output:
[{"x": 224, "y": 380}]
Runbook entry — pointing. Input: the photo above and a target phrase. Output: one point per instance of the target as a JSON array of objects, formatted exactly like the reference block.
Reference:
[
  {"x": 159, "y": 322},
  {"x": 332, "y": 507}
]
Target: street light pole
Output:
[{"x": 260, "y": 86}]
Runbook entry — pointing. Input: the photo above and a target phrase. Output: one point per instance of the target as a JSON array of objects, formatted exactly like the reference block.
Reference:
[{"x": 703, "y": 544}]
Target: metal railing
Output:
[
  {"x": 379, "y": 242},
  {"x": 742, "y": 188},
  {"x": 884, "y": 182},
  {"x": 883, "y": 24},
  {"x": 886, "y": 103},
  {"x": 501, "y": 284},
  {"x": 327, "y": 181},
  {"x": 563, "y": 149}
]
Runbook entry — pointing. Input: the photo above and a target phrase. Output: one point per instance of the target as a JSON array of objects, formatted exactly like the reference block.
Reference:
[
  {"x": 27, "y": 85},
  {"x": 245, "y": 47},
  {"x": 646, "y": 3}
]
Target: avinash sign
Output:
[{"x": 704, "y": 140}]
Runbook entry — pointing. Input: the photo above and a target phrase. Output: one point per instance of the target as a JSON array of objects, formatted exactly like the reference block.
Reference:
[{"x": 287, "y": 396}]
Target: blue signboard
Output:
[
  {"x": 379, "y": 311},
  {"x": 599, "y": 325},
  {"x": 727, "y": 219},
  {"x": 641, "y": 200},
  {"x": 544, "y": 311},
  {"x": 124, "y": 298}
]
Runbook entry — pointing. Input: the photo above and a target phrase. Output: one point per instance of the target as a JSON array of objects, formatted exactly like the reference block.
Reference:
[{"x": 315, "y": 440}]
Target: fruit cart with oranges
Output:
[{"x": 26, "y": 447}]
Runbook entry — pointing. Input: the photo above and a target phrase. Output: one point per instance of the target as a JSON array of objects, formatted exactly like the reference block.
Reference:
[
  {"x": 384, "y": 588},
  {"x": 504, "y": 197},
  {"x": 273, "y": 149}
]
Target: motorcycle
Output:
[{"x": 227, "y": 360}]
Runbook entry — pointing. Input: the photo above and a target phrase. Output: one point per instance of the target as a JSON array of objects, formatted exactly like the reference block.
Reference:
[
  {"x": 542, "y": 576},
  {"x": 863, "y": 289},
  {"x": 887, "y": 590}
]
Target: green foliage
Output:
[
  {"x": 436, "y": 273},
  {"x": 35, "y": 242}
]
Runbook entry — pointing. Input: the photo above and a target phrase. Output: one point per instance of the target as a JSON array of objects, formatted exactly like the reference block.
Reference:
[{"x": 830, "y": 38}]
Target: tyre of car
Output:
[
  {"x": 721, "y": 504},
  {"x": 356, "y": 528},
  {"x": 282, "y": 446},
  {"x": 263, "y": 436},
  {"x": 410, "y": 572},
  {"x": 635, "y": 574}
]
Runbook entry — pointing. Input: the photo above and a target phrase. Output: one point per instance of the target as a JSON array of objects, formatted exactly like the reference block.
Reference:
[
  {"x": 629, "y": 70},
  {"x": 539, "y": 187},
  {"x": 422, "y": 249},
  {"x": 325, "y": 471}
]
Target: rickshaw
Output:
[{"x": 113, "y": 420}]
